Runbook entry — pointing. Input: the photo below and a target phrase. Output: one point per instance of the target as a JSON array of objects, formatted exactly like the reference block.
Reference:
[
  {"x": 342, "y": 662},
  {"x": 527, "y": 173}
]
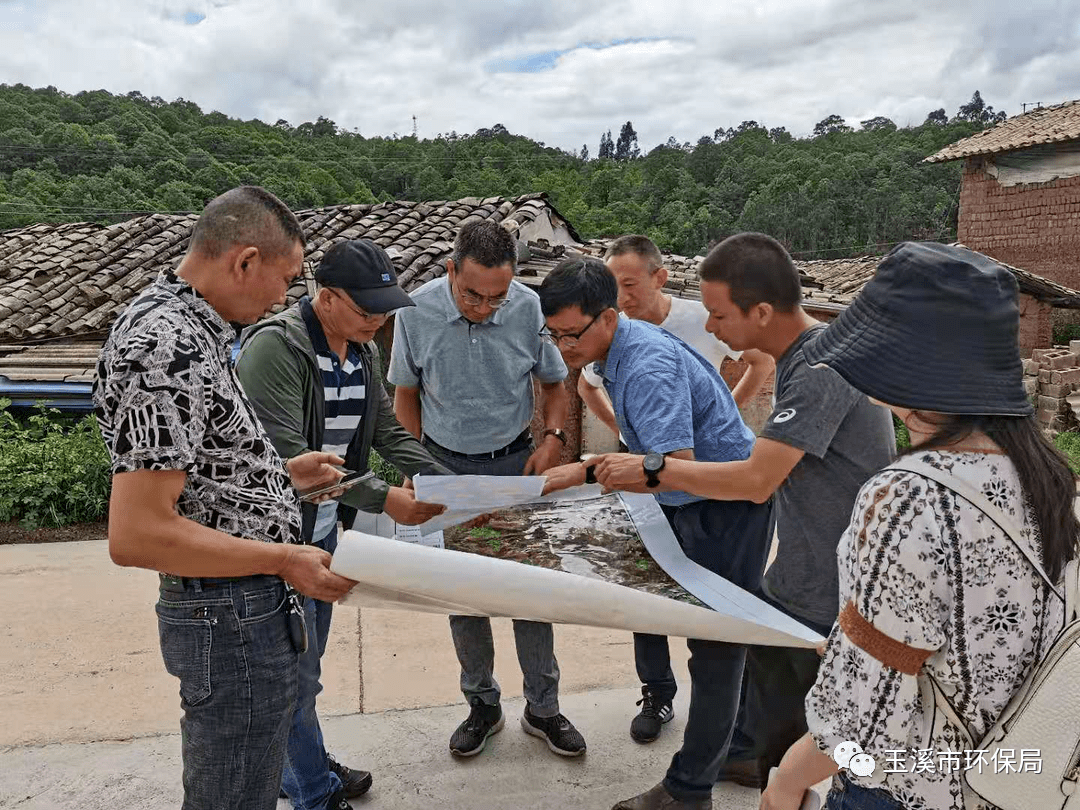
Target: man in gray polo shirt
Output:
[{"x": 463, "y": 362}]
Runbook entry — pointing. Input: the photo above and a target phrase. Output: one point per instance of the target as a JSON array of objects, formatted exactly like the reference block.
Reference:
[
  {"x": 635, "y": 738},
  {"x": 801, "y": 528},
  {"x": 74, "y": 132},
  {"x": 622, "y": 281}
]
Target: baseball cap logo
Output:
[{"x": 385, "y": 276}]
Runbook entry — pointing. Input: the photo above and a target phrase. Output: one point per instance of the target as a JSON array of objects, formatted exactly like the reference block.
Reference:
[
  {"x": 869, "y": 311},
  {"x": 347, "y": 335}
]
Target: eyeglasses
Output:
[
  {"x": 367, "y": 316},
  {"x": 475, "y": 299},
  {"x": 569, "y": 340}
]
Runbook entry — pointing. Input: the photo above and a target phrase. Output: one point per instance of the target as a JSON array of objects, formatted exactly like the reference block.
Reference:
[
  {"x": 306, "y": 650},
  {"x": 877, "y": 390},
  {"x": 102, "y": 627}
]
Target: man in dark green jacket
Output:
[{"x": 314, "y": 377}]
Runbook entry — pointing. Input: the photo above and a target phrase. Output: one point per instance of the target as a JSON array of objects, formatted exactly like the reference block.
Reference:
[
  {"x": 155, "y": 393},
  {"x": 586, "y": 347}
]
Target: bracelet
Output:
[{"x": 557, "y": 433}]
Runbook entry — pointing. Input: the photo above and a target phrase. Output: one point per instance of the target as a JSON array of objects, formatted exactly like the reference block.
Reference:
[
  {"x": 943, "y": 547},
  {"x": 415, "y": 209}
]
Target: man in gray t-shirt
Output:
[
  {"x": 822, "y": 441},
  {"x": 844, "y": 438}
]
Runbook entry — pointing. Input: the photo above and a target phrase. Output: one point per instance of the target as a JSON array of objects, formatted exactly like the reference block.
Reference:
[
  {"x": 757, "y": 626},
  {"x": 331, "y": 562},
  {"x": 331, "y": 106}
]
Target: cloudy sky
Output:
[{"x": 557, "y": 71}]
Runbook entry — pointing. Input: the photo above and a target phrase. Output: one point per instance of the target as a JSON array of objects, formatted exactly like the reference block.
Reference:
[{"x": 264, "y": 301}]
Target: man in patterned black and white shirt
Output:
[{"x": 199, "y": 493}]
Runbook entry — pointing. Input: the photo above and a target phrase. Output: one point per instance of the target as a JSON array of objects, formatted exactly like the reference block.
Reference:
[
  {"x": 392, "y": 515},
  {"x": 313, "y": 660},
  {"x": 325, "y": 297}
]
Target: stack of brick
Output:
[{"x": 1056, "y": 387}]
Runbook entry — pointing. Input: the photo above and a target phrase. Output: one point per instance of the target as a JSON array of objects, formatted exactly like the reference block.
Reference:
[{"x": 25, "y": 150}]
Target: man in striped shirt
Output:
[{"x": 314, "y": 376}]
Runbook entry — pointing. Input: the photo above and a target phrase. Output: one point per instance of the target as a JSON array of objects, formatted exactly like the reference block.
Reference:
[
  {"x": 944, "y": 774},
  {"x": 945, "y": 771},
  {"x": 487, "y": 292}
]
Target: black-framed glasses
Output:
[
  {"x": 569, "y": 340},
  {"x": 475, "y": 299}
]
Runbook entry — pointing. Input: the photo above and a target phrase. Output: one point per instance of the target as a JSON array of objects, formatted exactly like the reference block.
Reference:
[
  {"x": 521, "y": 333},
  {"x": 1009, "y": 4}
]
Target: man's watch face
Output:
[{"x": 653, "y": 462}]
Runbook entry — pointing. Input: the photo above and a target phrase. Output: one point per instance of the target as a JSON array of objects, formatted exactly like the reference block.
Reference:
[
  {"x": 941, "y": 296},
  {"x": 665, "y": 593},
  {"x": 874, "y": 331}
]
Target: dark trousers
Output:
[
  {"x": 228, "y": 643},
  {"x": 846, "y": 795},
  {"x": 307, "y": 779},
  {"x": 729, "y": 538},
  {"x": 772, "y": 716}
]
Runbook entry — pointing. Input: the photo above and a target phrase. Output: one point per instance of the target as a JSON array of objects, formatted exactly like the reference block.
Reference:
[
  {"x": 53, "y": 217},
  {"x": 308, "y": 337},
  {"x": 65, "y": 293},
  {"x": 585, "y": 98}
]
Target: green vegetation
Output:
[
  {"x": 642, "y": 565},
  {"x": 1066, "y": 332},
  {"x": 384, "y": 470},
  {"x": 96, "y": 156},
  {"x": 53, "y": 470},
  {"x": 485, "y": 533},
  {"x": 903, "y": 438},
  {"x": 1069, "y": 444}
]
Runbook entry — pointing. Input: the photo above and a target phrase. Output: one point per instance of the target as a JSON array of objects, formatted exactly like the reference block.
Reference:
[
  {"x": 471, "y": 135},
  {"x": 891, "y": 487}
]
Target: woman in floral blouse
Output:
[{"x": 929, "y": 586}]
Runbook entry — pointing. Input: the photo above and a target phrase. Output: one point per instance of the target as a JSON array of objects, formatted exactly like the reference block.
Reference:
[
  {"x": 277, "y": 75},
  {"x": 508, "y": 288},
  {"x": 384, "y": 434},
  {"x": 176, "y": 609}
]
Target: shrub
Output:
[
  {"x": 1069, "y": 444},
  {"x": 384, "y": 470},
  {"x": 1066, "y": 332},
  {"x": 903, "y": 438},
  {"x": 54, "y": 470}
]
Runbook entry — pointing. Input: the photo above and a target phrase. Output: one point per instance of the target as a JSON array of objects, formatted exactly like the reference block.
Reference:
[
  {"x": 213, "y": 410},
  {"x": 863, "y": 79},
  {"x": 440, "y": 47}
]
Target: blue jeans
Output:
[
  {"x": 729, "y": 538},
  {"x": 307, "y": 780},
  {"x": 846, "y": 795},
  {"x": 472, "y": 634},
  {"x": 227, "y": 640}
]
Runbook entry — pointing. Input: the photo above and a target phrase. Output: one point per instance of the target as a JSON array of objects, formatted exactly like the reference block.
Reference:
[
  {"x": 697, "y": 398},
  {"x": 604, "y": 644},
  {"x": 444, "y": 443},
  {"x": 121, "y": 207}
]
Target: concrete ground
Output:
[{"x": 90, "y": 717}]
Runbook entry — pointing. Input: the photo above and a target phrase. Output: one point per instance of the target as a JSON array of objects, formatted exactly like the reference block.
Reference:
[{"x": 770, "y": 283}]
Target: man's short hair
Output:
[
  {"x": 641, "y": 246},
  {"x": 247, "y": 215},
  {"x": 756, "y": 269},
  {"x": 582, "y": 282},
  {"x": 485, "y": 242}
]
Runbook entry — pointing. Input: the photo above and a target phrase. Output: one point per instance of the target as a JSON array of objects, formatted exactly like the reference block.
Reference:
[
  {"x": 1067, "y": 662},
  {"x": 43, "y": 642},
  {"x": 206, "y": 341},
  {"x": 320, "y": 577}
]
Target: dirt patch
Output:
[
  {"x": 11, "y": 533},
  {"x": 594, "y": 538}
]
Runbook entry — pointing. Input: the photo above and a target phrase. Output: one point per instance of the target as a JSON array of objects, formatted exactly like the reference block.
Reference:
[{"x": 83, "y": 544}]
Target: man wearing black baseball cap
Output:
[{"x": 314, "y": 376}]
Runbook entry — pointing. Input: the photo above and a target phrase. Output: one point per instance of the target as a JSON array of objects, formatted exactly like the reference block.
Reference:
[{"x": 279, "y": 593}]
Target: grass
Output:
[
  {"x": 1069, "y": 444},
  {"x": 493, "y": 536}
]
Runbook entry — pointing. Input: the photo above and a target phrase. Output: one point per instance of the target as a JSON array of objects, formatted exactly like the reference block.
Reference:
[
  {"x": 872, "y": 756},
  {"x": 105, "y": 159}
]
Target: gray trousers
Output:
[{"x": 472, "y": 634}]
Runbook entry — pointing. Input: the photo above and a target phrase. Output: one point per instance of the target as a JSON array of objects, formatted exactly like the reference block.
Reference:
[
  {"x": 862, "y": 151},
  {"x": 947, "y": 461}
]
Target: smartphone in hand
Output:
[{"x": 349, "y": 480}]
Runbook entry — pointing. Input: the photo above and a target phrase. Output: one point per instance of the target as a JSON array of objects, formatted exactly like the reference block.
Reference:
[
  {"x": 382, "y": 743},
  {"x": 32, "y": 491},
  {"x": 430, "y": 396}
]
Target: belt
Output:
[
  {"x": 174, "y": 583},
  {"x": 522, "y": 442}
]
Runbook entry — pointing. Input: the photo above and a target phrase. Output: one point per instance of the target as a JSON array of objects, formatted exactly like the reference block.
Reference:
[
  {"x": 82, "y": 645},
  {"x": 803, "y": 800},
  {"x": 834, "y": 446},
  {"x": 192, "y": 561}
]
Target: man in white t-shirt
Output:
[{"x": 639, "y": 270}]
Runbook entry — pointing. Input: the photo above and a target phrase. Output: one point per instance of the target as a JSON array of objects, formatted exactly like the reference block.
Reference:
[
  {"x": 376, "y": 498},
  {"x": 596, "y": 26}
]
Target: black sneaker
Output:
[
  {"x": 469, "y": 738},
  {"x": 337, "y": 801},
  {"x": 557, "y": 731},
  {"x": 654, "y": 713},
  {"x": 353, "y": 783}
]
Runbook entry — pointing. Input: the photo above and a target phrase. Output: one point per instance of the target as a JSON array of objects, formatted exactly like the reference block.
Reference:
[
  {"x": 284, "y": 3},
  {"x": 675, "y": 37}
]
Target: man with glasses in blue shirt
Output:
[
  {"x": 670, "y": 403},
  {"x": 463, "y": 363}
]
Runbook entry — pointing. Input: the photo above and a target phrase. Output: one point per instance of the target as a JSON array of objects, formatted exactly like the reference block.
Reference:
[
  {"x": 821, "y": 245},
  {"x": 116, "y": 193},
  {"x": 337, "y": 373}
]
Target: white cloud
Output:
[{"x": 678, "y": 67}]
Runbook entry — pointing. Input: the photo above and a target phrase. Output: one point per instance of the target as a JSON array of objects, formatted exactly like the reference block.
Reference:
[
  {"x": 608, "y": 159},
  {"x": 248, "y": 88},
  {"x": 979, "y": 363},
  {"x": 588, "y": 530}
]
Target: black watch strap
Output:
[
  {"x": 590, "y": 474},
  {"x": 652, "y": 477},
  {"x": 557, "y": 433}
]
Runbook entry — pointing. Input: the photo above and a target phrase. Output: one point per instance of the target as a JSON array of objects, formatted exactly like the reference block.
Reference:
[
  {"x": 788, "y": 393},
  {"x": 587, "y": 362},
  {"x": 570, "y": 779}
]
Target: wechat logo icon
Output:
[{"x": 851, "y": 756}]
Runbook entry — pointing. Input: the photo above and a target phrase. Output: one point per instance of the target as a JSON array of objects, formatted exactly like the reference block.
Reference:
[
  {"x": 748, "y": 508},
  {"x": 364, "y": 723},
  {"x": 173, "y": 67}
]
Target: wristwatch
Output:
[
  {"x": 557, "y": 433},
  {"x": 590, "y": 474},
  {"x": 653, "y": 463}
]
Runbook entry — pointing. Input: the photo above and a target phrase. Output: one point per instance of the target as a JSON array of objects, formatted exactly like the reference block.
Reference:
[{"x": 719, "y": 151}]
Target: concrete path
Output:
[
  {"x": 81, "y": 660},
  {"x": 90, "y": 717},
  {"x": 405, "y": 750}
]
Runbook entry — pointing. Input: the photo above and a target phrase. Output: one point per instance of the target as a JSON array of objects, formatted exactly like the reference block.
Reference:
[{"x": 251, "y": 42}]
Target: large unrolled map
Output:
[{"x": 579, "y": 557}]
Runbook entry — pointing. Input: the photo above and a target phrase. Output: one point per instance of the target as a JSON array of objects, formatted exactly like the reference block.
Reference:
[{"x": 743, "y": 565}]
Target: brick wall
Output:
[
  {"x": 1034, "y": 226},
  {"x": 1036, "y": 328}
]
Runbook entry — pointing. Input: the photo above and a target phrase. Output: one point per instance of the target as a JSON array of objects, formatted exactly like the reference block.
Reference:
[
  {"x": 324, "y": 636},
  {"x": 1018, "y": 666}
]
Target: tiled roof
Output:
[
  {"x": 1055, "y": 124},
  {"x": 844, "y": 278},
  {"x": 71, "y": 281},
  {"x": 827, "y": 284}
]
